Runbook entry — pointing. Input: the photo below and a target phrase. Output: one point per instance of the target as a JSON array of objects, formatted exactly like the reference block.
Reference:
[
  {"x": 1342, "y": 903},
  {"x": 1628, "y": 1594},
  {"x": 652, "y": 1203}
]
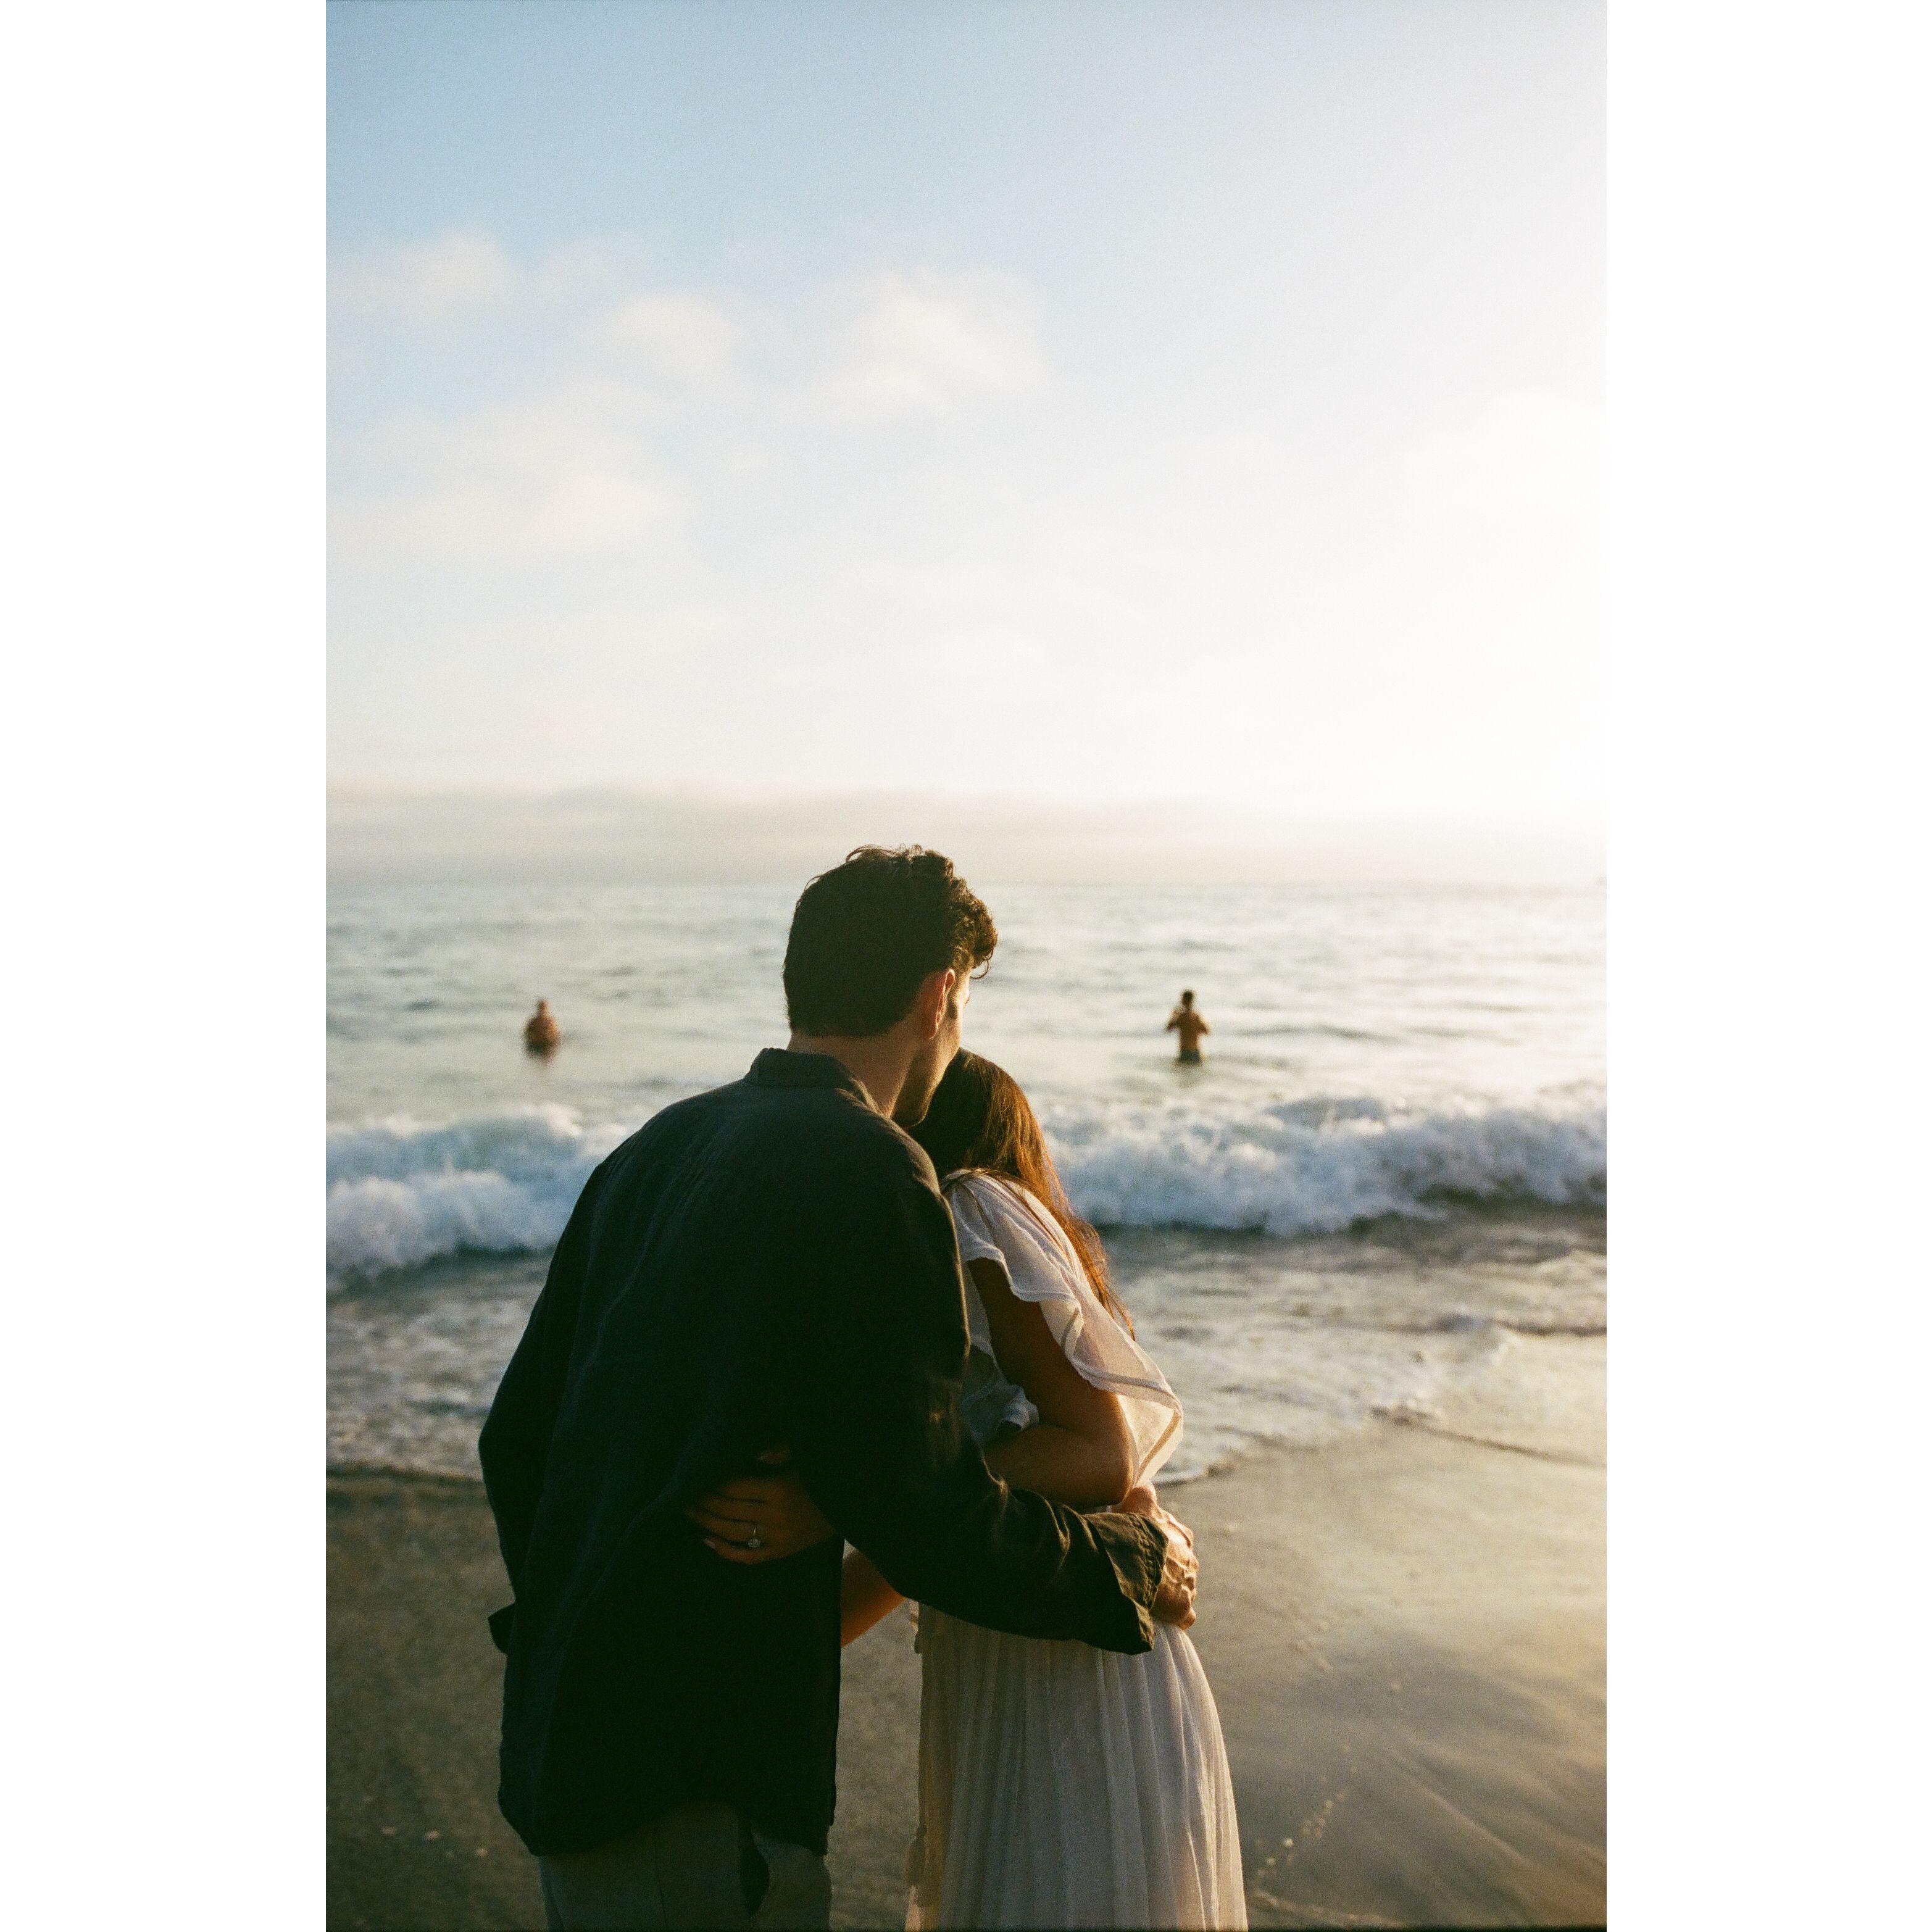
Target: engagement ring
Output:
[{"x": 755, "y": 1540}]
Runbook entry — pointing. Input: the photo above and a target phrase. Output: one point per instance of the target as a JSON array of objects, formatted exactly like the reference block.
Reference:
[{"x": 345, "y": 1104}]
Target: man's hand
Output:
[
  {"x": 761, "y": 1519},
  {"x": 1174, "y": 1604}
]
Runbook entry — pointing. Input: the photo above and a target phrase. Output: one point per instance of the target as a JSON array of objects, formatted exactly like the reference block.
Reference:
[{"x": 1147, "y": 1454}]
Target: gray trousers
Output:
[{"x": 698, "y": 1866}]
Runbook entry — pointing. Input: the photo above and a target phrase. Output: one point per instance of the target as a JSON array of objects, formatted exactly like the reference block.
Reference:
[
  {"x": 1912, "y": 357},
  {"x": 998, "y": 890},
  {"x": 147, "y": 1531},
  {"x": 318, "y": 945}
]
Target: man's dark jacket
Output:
[{"x": 769, "y": 1263}]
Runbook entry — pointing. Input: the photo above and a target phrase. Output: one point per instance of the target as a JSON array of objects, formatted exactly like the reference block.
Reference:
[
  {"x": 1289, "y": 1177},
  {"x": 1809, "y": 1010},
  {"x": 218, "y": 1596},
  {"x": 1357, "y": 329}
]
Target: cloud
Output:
[
  {"x": 428, "y": 283},
  {"x": 915, "y": 344},
  {"x": 671, "y": 332},
  {"x": 466, "y": 274},
  {"x": 900, "y": 343},
  {"x": 557, "y": 478},
  {"x": 1524, "y": 457},
  {"x": 889, "y": 552},
  {"x": 582, "y": 466}
]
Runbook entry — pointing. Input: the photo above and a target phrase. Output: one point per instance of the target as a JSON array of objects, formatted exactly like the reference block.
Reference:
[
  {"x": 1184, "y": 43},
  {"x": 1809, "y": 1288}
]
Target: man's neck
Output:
[{"x": 879, "y": 1064}]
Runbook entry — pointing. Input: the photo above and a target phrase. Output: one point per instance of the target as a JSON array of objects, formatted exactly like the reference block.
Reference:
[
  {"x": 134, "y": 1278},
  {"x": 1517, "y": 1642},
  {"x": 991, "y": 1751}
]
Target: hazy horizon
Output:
[{"x": 608, "y": 834}]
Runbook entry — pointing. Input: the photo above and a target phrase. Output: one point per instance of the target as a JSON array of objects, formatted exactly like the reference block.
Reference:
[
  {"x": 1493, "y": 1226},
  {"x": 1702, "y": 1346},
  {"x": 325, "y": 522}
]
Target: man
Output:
[
  {"x": 541, "y": 1030},
  {"x": 1189, "y": 1024},
  {"x": 769, "y": 1262}
]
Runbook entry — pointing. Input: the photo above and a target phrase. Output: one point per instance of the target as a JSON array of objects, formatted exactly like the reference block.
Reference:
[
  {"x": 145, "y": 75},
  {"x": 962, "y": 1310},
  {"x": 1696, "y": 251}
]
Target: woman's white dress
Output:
[{"x": 1061, "y": 1785}]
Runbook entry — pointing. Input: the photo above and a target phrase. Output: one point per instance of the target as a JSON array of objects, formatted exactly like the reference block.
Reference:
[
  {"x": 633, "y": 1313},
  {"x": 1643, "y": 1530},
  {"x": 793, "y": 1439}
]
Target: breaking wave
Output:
[
  {"x": 401, "y": 1193},
  {"x": 1303, "y": 1167}
]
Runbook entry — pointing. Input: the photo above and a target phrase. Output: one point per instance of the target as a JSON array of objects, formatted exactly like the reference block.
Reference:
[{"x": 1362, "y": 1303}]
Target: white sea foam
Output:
[
  {"x": 1303, "y": 1167},
  {"x": 401, "y": 1193}
]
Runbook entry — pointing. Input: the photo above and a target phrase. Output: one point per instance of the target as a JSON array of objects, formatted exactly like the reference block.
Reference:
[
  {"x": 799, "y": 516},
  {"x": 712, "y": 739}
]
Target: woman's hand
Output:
[
  {"x": 761, "y": 1519},
  {"x": 1141, "y": 1500},
  {"x": 1175, "y": 1604}
]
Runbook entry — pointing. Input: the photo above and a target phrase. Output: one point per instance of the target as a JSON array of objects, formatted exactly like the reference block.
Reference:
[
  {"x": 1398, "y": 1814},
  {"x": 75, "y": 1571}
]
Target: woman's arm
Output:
[
  {"x": 1080, "y": 1451},
  {"x": 864, "y": 1597},
  {"x": 881, "y": 1447}
]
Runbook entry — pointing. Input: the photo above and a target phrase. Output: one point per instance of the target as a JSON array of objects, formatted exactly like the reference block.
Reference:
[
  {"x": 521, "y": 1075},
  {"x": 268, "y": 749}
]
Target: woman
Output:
[{"x": 1059, "y": 1785}]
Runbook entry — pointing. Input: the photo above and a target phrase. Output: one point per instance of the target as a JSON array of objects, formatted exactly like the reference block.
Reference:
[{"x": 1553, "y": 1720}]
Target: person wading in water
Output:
[{"x": 1185, "y": 1020}]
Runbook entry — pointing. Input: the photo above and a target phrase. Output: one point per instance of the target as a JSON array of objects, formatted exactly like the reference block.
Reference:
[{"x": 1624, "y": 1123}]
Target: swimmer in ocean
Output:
[
  {"x": 1185, "y": 1020},
  {"x": 541, "y": 1030}
]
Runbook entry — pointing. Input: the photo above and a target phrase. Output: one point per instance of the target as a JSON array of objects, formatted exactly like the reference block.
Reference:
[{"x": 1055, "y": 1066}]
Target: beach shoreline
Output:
[{"x": 1404, "y": 1631}]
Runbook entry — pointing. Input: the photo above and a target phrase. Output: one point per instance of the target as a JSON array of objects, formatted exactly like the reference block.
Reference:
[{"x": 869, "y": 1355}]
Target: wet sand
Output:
[{"x": 1404, "y": 1631}]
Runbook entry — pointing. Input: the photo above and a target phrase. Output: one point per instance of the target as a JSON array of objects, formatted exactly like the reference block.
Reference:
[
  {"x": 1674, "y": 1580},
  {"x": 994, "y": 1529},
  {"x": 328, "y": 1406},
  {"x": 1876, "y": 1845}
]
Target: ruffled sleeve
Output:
[{"x": 998, "y": 1222}]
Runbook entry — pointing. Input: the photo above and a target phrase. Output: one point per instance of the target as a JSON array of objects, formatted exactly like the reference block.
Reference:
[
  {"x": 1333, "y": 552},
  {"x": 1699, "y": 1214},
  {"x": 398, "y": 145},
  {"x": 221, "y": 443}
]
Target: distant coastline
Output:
[{"x": 380, "y": 834}]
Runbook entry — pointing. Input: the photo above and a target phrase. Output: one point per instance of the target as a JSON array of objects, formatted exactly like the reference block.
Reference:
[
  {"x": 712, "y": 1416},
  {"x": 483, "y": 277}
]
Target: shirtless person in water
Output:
[{"x": 1189, "y": 1024}]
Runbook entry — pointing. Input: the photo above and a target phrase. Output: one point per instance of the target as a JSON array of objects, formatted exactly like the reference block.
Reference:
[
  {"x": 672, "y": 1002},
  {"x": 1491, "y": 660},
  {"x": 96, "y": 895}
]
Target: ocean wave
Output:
[
  {"x": 401, "y": 1193},
  {"x": 1299, "y": 1168}
]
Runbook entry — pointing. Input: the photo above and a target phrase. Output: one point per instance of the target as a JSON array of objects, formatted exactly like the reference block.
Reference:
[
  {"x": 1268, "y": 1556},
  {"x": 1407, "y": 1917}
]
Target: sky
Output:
[{"x": 1176, "y": 424}]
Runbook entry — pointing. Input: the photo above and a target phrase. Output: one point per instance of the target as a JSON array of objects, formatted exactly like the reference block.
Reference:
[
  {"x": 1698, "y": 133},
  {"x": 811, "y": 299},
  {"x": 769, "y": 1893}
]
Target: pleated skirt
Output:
[{"x": 1064, "y": 1786}]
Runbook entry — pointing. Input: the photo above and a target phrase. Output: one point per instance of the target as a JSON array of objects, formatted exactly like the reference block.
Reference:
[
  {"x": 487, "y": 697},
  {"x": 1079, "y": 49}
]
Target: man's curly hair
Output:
[{"x": 864, "y": 935}]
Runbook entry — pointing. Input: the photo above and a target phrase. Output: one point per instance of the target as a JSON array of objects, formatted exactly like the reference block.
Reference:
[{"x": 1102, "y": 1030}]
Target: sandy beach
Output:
[{"x": 1404, "y": 1631}]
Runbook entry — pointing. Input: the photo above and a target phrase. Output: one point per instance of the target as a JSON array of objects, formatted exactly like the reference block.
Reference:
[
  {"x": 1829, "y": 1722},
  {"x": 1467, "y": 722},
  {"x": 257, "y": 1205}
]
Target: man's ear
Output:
[{"x": 934, "y": 995}]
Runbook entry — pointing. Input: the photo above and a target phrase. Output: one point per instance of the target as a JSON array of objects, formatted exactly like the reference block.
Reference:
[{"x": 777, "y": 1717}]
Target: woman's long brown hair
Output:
[{"x": 981, "y": 1121}]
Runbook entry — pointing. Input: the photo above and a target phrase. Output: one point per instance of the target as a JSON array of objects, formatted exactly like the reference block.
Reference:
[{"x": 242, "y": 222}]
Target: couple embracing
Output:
[{"x": 757, "y": 1344}]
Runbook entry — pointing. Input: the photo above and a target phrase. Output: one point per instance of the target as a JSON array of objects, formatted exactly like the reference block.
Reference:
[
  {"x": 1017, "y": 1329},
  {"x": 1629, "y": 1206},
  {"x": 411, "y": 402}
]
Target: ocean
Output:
[{"x": 1381, "y": 1189}]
